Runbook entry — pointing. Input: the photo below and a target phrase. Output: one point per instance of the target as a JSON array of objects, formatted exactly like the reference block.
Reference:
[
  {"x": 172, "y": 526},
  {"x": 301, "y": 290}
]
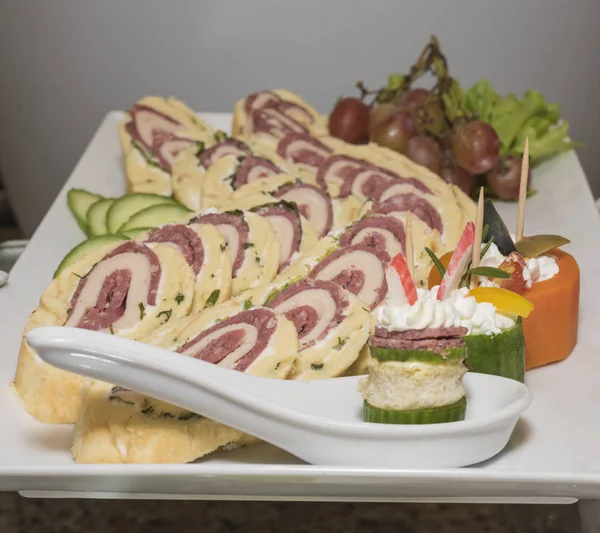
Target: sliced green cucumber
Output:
[
  {"x": 125, "y": 207},
  {"x": 422, "y": 356},
  {"x": 96, "y": 216},
  {"x": 134, "y": 232},
  {"x": 435, "y": 415},
  {"x": 86, "y": 246},
  {"x": 156, "y": 215},
  {"x": 502, "y": 354},
  {"x": 79, "y": 202}
]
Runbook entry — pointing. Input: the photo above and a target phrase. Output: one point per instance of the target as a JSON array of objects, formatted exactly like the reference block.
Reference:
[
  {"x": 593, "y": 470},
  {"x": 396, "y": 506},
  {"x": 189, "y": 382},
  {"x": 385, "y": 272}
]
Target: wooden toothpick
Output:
[
  {"x": 408, "y": 244},
  {"x": 478, "y": 236},
  {"x": 523, "y": 191}
]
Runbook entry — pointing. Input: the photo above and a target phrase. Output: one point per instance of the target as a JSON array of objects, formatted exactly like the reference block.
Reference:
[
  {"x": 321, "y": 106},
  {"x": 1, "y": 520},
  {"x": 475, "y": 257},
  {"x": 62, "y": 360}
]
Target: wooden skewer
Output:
[
  {"x": 478, "y": 236},
  {"x": 408, "y": 244},
  {"x": 523, "y": 191}
]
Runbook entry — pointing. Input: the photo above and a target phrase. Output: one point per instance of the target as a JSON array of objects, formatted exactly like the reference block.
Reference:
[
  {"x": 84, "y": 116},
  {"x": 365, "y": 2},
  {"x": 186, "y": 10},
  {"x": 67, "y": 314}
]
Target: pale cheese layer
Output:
[{"x": 413, "y": 385}]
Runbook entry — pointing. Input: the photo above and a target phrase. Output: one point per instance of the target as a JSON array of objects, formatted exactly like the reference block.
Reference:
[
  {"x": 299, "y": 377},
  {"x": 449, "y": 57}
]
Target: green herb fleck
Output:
[
  {"x": 179, "y": 298},
  {"x": 271, "y": 296},
  {"x": 230, "y": 180},
  {"x": 436, "y": 262},
  {"x": 223, "y": 247},
  {"x": 340, "y": 343},
  {"x": 248, "y": 245},
  {"x": 212, "y": 299},
  {"x": 212, "y": 275},
  {"x": 188, "y": 416},
  {"x": 220, "y": 136},
  {"x": 142, "y": 310},
  {"x": 167, "y": 313},
  {"x": 75, "y": 274},
  {"x": 248, "y": 304},
  {"x": 112, "y": 331},
  {"x": 200, "y": 147},
  {"x": 257, "y": 259},
  {"x": 317, "y": 367},
  {"x": 148, "y": 410}
]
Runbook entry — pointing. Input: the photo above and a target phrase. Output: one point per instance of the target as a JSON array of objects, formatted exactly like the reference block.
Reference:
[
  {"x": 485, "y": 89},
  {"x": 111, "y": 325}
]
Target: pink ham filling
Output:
[
  {"x": 303, "y": 149},
  {"x": 253, "y": 168},
  {"x": 185, "y": 239},
  {"x": 209, "y": 156}
]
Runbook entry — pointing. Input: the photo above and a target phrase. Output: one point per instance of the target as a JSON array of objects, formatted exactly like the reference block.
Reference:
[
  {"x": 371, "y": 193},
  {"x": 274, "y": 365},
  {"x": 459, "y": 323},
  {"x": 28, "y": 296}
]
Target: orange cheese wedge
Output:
[{"x": 551, "y": 328}]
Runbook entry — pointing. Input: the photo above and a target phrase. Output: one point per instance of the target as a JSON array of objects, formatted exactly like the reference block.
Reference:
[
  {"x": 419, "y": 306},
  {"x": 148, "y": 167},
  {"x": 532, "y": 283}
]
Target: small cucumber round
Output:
[
  {"x": 79, "y": 202},
  {"x": 422, "y": 356},
  {"x": 96, "y": 216},
  {"x": 156, "y": 215},
  {"x": 86, "y": 246},
  {"x": 435, "y": 415},
  {"x": 126, "y": 206}
]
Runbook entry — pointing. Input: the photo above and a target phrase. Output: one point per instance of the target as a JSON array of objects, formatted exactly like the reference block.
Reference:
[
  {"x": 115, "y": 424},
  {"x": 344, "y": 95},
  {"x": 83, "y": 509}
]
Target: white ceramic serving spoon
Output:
[{"x": 318, "y": 421}]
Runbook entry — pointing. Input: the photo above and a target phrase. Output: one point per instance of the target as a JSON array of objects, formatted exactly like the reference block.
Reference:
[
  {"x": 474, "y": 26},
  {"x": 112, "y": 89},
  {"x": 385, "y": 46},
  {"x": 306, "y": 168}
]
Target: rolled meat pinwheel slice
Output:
[
  {"x": 251, "y": 243},
  {"x": 131, "y": 290},
  {"x": 359, "y": 269},
  {"x": 153, "y": 133},
  {"x": 337, "y": 174},
  {"x": 332, "y": 326},
  {"x": 121, "y": 426},
  {"x": 302, "y": 266},
  {"x": 378, "y": 231},
  {"x": 312, "y": 201},
  {"x": 271, "y": 112},
  {"x": 304, "y": 152},
  {"x": 192, "y": 166},
  {"x": 294, "y": 233},
  {"x": 201, "y": 245}
]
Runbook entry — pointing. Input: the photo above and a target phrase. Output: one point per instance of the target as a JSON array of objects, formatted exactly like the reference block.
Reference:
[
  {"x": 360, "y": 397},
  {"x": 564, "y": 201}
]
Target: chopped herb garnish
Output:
[
  {"x": 75, "y": 274},
  {"x": 248, "y": 245},
  {"x": 235, "y": 212},
  {"x": 147, "y": 157},
  {"x": 248, "y": 304},
  {"x": 230, "y": 180},
  {"x": 142, "y": 310},
  {"x": 179, "y": 298},
  {"x": 212, "y": 275},
  {"x": 317, "y": 367},
  {"x": 367, "y": 309},
  {"x": 488, "y": 272},
  {"x": 257, "y": 259},
  {"x": 277, "y": 366},
  {"x": 200, "y": 147},
  {"x": 223, "y": 247},
  {"x": 271, "y": 296},
  {"x": 188, "y": 416},
  {"x": 212, "y": 299},
  {"x": 112, "y": 331},
  {"x": 167, "y": 313},
  {"x": 148, "y": 410},
  {"x": 436, "y": 262},
  {"x": 220, "y": 136},
  {"x": 340, "y": 343}
]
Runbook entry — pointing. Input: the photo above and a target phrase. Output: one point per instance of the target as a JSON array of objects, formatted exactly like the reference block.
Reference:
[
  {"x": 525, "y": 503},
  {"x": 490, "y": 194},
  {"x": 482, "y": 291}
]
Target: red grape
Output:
[
  {"x": 476, "y": 147},
  {"x": 379, "y": 113},
  {"x": 505, "y": 178},
  {"x": 452, "y": 173},
  {"x": 425, "y": 109},
  {"x": 425, "y": 151},
  {"x": 349, "y": 121},
  {"x": 394, "y": 132}
]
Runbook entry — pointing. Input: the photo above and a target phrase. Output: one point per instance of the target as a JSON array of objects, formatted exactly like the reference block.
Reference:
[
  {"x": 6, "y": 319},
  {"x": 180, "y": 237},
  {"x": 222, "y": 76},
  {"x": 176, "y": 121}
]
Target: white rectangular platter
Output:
[{"x": 554, "y": 453}]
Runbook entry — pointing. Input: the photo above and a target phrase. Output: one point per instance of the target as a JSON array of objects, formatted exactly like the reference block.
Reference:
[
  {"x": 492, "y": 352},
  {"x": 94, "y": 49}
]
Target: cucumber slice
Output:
[
  {"x": 125, "y": 207},
  {"x": 84, "y": 247},
  {"x": 79, "y": 202},
  {"x": 423, "y": 356},
  {"x": 156, "y": 215},
  {"x": 436, "y": 415},
  {"x": 132, "y": 233},
  {"x": 96, "y": 216},
  {"x": 501, "y": 355}
]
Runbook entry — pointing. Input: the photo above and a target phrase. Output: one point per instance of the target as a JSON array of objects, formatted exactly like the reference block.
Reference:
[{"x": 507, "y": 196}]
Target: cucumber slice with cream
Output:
[
  {"x": 125, "y": 207},
  {"x": 435, "y": 415},
  {"x": 501, "y": 355},
  {"x": 156, "y": 215},
  {"x": 86, "y": 246},
  {"x": 96, "y": 216},
  {"x": 422, "y": 356},
  {"x": 79, "y": 202}
]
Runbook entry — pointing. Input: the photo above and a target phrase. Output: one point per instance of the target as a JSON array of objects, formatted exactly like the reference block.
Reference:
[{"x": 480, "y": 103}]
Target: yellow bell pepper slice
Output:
[{"x": 503, "y": 300}]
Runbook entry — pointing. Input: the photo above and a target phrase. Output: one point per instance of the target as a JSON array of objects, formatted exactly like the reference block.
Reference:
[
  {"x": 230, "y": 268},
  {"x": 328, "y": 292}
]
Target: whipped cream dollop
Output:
[
  {"x": 538, "y": 268},
  {"x": 459, "y": 309}
]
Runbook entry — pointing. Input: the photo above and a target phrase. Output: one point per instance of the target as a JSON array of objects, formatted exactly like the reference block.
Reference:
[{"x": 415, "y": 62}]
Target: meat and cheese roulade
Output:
[
  {"x": 272, "y": 113},
  {"x": 191, "y": 167},
  {"x": 153, "y": 133},
  {"x": 360, "y": 269},
  {"x": 120, "y": 426},
  {"x": 251, "y": 243},
  {"x": 131, "y": 290},
  {"x": 378, "y": 231},
  {"x": 332, "y": 326},
  {"x": 303, "y": 265},
  {"x": 304, "y": 153},
  {"x": 201, "y": 245},
  {"x": 294, "y": 233}
]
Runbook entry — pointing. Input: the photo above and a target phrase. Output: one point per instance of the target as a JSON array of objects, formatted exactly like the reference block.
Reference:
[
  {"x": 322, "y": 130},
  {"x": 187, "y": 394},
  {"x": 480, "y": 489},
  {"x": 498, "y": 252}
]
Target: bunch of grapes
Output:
[{"x": 415, "y": 122}]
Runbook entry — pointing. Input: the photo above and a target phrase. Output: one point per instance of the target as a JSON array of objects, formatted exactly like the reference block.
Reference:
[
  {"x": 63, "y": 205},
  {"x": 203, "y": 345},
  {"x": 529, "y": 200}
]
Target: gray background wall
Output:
[{"x": 64, "y": 64}]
